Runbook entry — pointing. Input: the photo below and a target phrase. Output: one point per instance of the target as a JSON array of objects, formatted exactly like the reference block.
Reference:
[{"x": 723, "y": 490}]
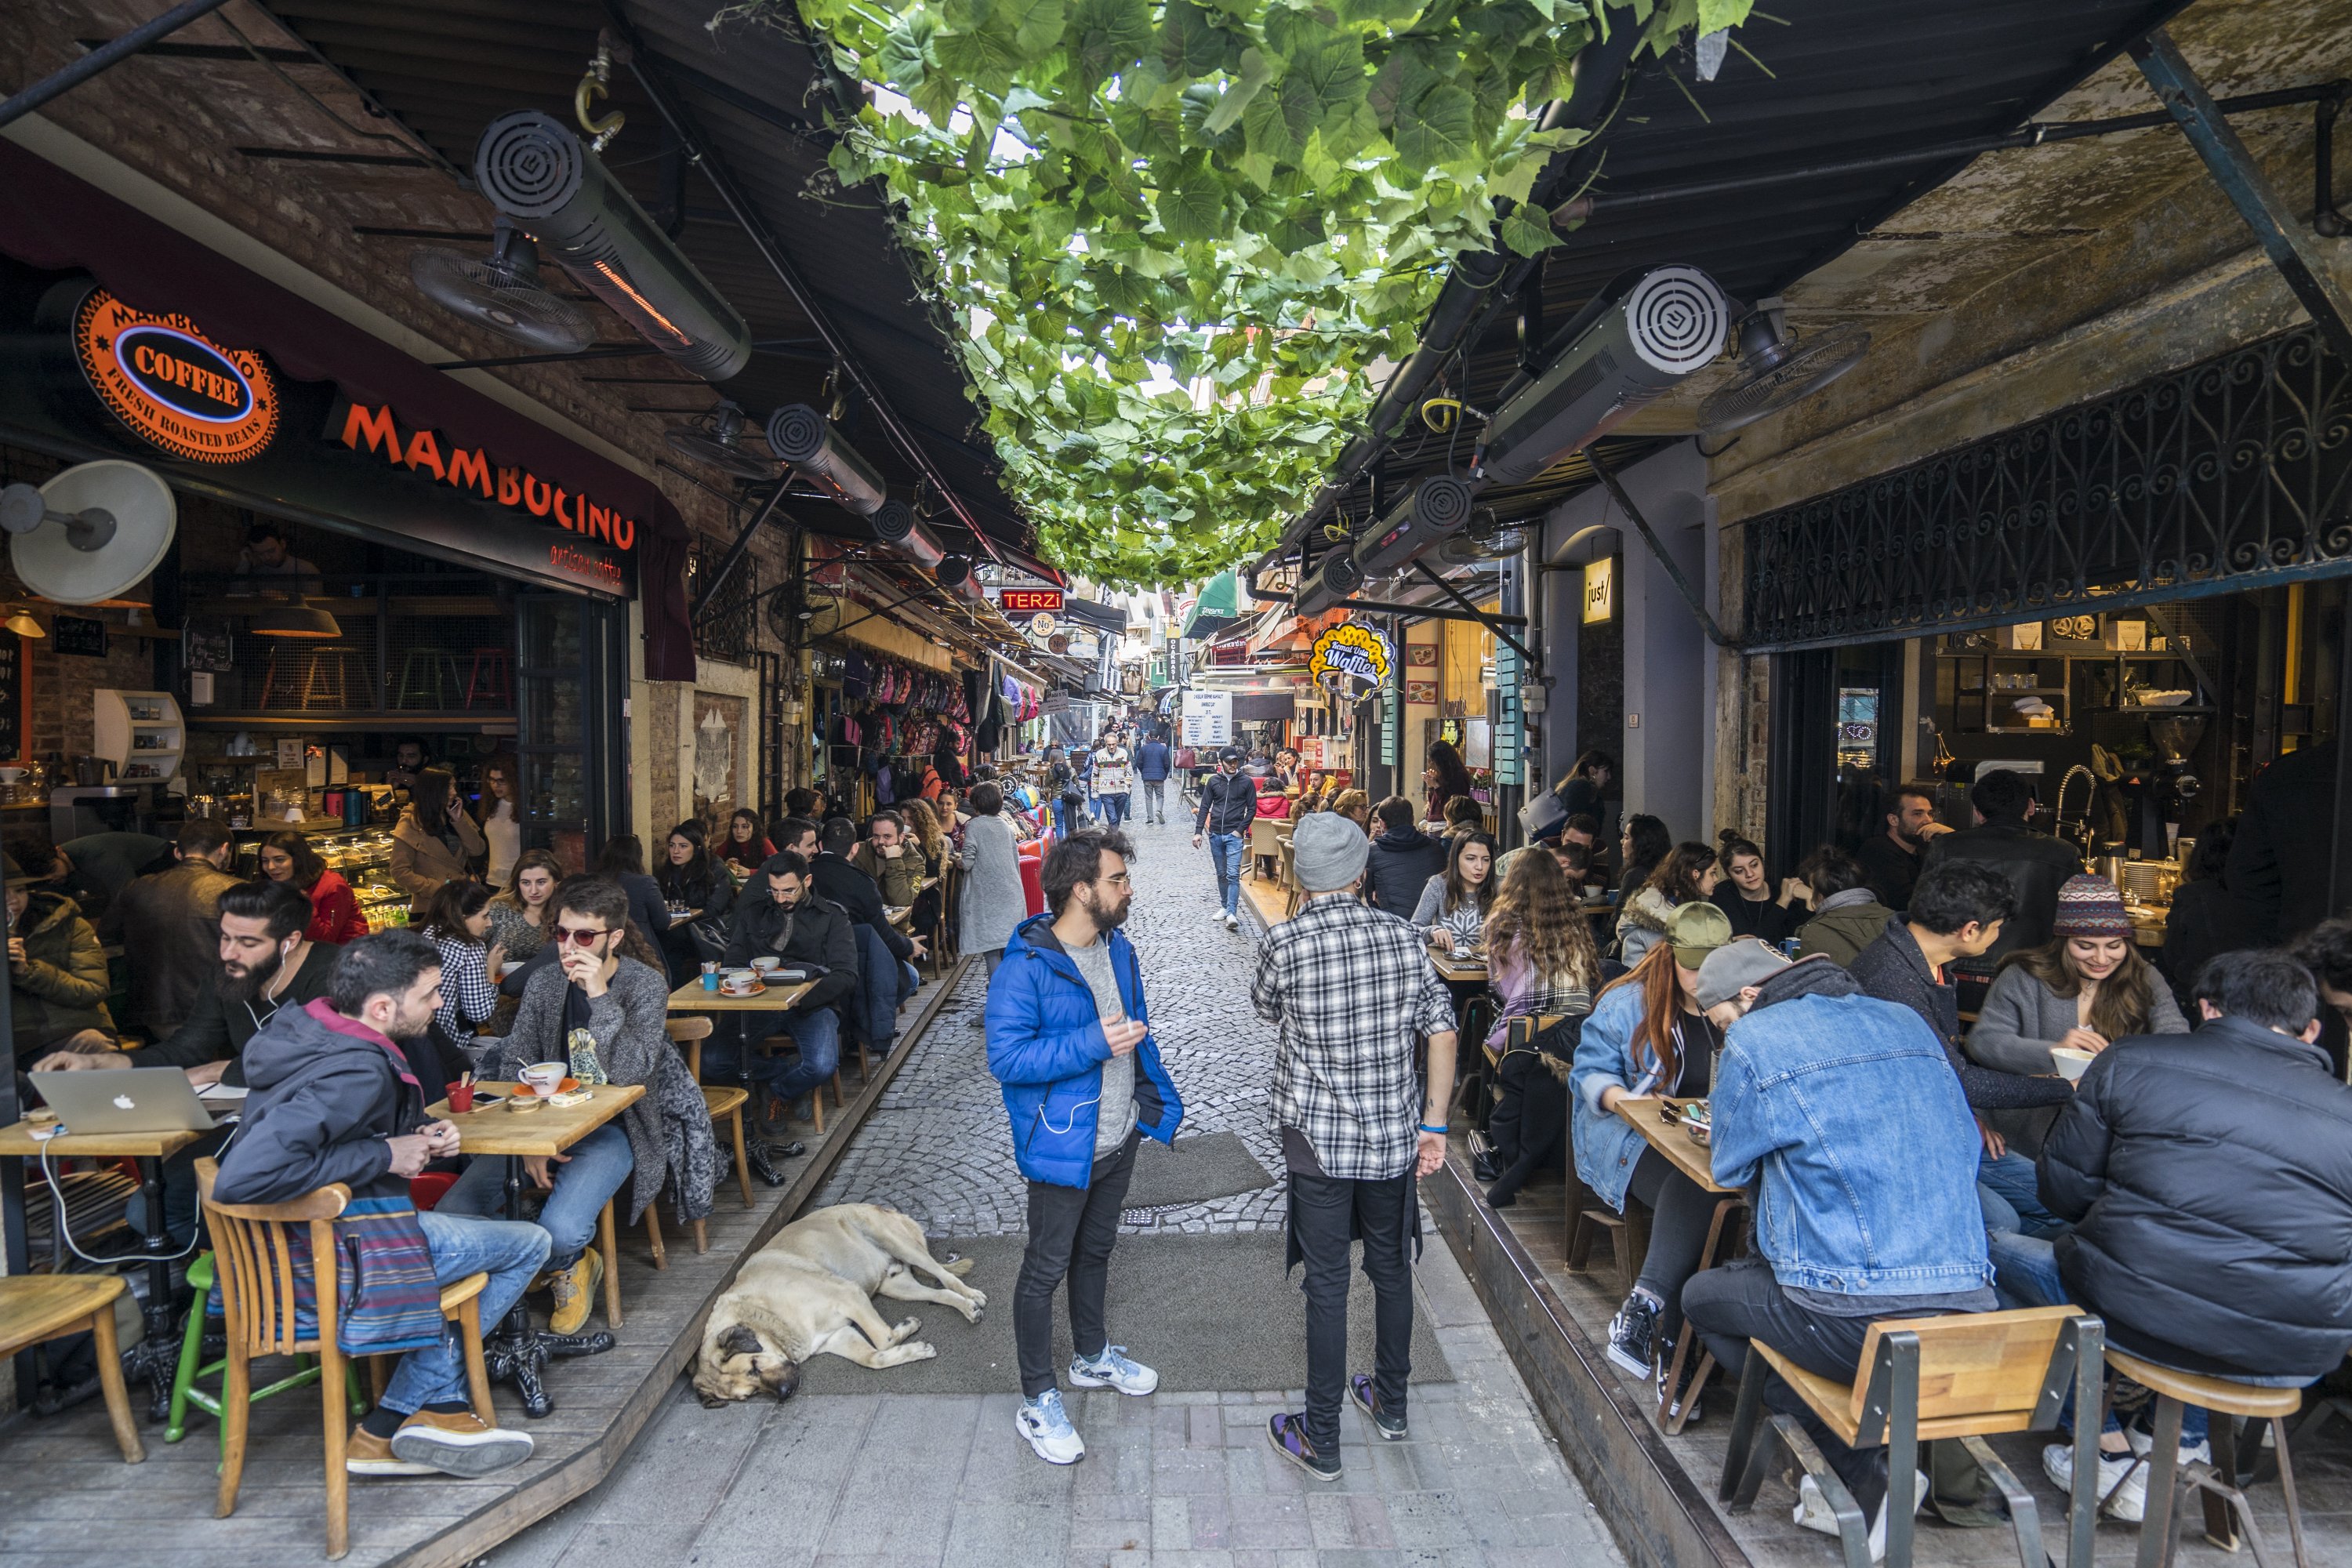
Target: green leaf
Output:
[
  {"x": 1191, "y": 204},
  {"x": 1104, "y": 37},
  {"x": 1256, "y": 71},
  {"x": 1528, "y": 231},
  {"x": 1191, "y": 43},
  {"x": 1434, "y": 130}
]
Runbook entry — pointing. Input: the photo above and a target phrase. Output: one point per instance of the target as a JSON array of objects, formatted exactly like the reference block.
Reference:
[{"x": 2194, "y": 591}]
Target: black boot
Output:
[{"x": 763, "y": 1158}]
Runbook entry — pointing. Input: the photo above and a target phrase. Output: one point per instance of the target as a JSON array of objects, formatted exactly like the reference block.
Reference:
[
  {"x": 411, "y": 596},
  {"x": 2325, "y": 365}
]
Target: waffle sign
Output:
[
  {"x": 177, "y": 390},
  {"x": 1352, "y": 650}
]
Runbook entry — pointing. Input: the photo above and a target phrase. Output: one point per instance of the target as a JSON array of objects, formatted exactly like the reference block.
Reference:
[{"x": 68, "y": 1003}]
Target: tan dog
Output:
[{"x": 808, "y": 1293}]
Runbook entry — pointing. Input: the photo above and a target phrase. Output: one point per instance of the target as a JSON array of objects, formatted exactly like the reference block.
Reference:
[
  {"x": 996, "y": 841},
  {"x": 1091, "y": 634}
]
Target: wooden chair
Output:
[
  {"x": 1588, "y": 1217},
  {"x": 37, "y": 1308},
  {"x": 1968, "y": 1375},
  {"x": 2169, "y": 1486},
  {"x": 255, "y": 1268},
  {"x": 691, "y": 1032},
  {"x": 725, "y": 1103}
]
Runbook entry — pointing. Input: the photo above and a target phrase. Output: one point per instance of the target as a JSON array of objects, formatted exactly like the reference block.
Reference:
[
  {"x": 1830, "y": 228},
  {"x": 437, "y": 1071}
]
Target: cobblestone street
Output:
[{"x": 1177, "y": 1479}]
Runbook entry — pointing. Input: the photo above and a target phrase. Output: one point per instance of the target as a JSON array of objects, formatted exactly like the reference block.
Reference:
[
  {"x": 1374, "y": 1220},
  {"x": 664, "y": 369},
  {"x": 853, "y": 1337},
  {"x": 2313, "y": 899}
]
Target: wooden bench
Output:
[
  {"x": 2169, "y": 1485},
  {"x": 1968, "y": 1375}
]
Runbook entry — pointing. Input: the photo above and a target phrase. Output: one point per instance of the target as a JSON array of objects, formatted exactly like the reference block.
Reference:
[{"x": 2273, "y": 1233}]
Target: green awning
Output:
[{"x": 1219, "y": 606}]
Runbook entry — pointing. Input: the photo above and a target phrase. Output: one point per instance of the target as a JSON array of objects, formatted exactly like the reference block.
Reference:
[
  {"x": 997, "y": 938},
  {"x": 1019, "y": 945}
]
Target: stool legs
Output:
[
  {"x": 2167, "y": 1484},
  {"x": 606, "y": 1237}
]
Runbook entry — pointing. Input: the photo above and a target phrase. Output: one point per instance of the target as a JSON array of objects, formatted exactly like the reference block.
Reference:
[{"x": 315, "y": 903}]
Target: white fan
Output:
[{"x": 91, "y": 532}]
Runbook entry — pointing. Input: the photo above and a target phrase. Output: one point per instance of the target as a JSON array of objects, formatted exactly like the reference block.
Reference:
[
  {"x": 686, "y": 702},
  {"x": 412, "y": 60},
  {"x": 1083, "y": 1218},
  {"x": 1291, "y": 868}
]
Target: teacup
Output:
[
  {"x": 768, "y": 963},
  {"x": 2072, "y": 1063},
  {"x": 543, "y": 1076}
]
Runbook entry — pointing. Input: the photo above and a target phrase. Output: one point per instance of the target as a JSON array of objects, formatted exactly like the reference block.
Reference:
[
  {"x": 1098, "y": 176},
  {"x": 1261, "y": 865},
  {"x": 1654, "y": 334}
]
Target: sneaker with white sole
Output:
[
  {"x": 1112, "y": 1369},
  {"x": 1233, "y": 921},
  {"x": 2143, "y": 1443},
  {"x": 1813, "y": 1513},
  {"x": 1047, "y": 1427},
  {"x": 2123, "y": 1479},
  {"x": 458, "y": 1443},
  {"x": 1633, "y": 1333}
]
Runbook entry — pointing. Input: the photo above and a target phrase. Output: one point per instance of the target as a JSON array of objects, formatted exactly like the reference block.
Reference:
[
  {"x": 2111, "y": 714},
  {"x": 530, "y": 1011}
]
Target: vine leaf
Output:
[{"x": 1529, "y": 230}]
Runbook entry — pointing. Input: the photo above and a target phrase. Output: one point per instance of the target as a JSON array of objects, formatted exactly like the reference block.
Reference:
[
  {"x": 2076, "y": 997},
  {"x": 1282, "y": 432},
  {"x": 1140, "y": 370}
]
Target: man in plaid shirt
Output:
[{"x": 1350, "y": 989}]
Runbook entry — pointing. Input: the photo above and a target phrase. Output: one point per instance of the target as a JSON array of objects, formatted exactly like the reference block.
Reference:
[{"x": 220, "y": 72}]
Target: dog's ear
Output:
[
  {"x": 739, "y": 1341},
  {"x": 787, "y": 1379}
]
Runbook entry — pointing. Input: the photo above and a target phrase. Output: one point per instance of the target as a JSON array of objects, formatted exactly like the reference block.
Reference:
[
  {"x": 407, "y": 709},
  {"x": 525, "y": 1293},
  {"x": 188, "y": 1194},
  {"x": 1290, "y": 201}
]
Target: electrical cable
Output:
[{"x": 64, "y": 1231}]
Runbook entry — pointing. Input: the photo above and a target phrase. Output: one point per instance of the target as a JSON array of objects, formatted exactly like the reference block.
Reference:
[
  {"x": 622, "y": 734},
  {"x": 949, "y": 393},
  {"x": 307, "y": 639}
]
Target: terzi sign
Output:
[
  {"x": 1030, "y": 601},
  {"x": 427, "y": 454},
  {"x": 176, "y": 389}
]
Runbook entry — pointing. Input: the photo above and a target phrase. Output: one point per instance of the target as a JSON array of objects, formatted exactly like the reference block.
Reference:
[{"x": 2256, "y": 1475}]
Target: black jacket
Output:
[
  {"x": 1893, "y": 969},
  {"x": 2036, "y": 866},
  {"x": 1228, "y": 804},
  {"x": 2283, "y": 885},
  {"x": 821, "y": 938},
  {"x": 842, "y": 883},
  {"x": 1888, "y": 870},
  {"x": 172, "y": 922},
  {"x": 327, "y": 1092},
  {"x": 2205, "y": 918},
  {"x": 2209, "y": 1176},
  {"x": 219, "y": 1030},
  {"x": 1399, "y": 867},
  {"x": 1763, "y": 918}
]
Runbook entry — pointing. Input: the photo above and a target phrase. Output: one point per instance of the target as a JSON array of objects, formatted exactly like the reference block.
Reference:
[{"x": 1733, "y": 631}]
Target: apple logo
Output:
[{"x": 122, "y": 1102}]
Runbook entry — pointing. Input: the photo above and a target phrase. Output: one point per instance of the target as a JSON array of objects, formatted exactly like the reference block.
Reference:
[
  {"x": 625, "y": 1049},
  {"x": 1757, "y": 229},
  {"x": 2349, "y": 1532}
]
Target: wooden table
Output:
[
  {"x": 517, "y": 1352},
  {"x": 1459, "y": 971},
  {"x": 1693, "y": 1159},
  {"x": 691, "y": 997},
  {"x": 157, "y": 1354}
]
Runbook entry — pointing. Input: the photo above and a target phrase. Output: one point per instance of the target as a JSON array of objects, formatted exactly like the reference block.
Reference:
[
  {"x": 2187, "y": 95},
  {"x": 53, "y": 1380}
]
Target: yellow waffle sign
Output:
[{"x": 1351, "y": 649}]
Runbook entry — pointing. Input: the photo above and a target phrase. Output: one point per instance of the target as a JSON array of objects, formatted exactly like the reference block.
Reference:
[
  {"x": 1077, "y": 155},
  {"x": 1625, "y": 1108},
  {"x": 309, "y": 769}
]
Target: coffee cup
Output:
[
  {"x": 767, "y": 965},
  {"x": 508, "y": 969},
  {"x": 461, "y": 1098},
  {"x": 543, "y": 1076},
  {"x": 2071, "y": 1063}
]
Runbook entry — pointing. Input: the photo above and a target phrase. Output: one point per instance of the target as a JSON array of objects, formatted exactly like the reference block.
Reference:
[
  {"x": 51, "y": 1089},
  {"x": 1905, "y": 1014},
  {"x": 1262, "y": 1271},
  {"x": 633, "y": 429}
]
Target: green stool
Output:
[
  {"x": 428, "y": 679},
  {"x": 184, "y": 1391}
]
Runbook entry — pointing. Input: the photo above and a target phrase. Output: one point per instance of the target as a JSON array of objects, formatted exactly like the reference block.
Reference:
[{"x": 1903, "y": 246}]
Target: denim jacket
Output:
[
  {"x": 1842, "y": 1112},
  {"x": 1607, "y": 1146}
]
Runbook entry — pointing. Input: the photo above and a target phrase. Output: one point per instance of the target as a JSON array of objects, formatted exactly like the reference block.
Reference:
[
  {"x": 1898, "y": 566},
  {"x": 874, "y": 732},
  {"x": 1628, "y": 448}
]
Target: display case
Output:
[
  {"x": 141, "y": 733},
  {"x": 361, "y": 855}
]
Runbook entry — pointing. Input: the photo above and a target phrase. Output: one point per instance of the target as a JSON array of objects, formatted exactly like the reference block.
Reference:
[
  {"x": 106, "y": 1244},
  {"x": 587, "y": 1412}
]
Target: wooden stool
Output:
[
  {"x": 1628, "y": 1233},
  {"x": 491, "y": 676},
  {"x": 2169, "y": 1484},
  {"x": 1968, "y": 1375},
  {"x": 728, "y": 1103},
  {"x": 37, "y": 1308}
]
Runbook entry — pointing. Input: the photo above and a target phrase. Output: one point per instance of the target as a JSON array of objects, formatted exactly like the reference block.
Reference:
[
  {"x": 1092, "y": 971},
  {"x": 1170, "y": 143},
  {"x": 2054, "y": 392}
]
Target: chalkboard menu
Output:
[
  {"x": 75, "y": 635},
  {"x": 16, "y": 698}
]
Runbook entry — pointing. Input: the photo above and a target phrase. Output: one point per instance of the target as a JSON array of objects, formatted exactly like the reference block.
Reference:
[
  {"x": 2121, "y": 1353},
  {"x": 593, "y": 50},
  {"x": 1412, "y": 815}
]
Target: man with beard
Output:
[
  {"x": 1070, "y": 1041},
  {"x": 777, "y": 916},
  {"x": 1890, "y": 860},
  {"x": 266, "y": 963},
  {"x": 338, "y": 1095}
]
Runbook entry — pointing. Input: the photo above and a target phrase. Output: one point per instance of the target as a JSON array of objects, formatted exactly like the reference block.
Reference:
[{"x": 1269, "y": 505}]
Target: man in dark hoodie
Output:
[
  {"x": 782, "y": 919},
  {"x": 887, "y": 977},
  {"x": 335, "y": 1098},
  {"x": 1403, "y": 859}
]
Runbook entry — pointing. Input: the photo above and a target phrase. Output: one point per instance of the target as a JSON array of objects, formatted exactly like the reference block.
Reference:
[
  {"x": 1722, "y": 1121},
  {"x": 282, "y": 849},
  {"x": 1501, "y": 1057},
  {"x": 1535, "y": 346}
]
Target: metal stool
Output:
[
  {"x": 430, "y": 673},
  {"x": 2170, "y": 1484},
  {"x": 491, "y": 676}
]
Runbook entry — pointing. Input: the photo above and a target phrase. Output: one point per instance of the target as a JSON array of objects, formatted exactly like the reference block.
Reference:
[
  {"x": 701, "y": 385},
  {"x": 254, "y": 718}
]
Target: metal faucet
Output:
[{"x": 2058, "y": 806}]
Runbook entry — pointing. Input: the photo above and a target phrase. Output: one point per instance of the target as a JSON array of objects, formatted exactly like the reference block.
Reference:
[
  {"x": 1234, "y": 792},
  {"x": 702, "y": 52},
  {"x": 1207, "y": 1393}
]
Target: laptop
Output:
[{"x": 127, "y": 1099}]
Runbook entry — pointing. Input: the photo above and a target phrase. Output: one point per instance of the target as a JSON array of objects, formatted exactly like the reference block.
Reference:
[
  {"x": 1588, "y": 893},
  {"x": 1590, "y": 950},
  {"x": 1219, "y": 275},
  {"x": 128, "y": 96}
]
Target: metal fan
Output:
[
  {"x": 502, "y": 291},
  {"x": 1778, "y": 367},
  {"x": 716, "y": 437},
  {"x": 820, "y": 615}
]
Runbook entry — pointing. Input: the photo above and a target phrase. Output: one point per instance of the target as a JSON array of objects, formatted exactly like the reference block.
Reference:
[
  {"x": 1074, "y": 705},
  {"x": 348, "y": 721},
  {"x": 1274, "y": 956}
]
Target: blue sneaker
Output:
[
  {"x": 1112, "y": 1369},
  {"x": 1047, "y": 1427}
]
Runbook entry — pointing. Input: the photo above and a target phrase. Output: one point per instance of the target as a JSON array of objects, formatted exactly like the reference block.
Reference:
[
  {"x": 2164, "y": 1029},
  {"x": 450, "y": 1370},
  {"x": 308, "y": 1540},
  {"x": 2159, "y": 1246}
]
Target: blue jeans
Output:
[
  {"x": 600, "y": 1166},
  {"x": 2009, "y": 1194},
  {"x": 1062, "y": 815},
  {"x": 510, "y": 1254},
  {"x": 2025, "y": 1274},
  {"x": 1225, "y": 852},
  {"x": 817, "y": 1032},
  {"x": 1114, "y": 808}
]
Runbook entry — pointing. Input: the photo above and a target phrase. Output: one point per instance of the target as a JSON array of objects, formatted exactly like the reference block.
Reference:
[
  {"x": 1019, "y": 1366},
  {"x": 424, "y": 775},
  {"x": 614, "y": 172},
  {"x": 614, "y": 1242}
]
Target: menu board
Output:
[{"x": 16, "y": 698}]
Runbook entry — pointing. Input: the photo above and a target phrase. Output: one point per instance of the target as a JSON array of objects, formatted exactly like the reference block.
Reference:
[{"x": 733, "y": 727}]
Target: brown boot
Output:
[
  {"x": 368, "y": 1455},
  {"x": 458, "y": 1443},
  {"x": 574, "y": 1292}
]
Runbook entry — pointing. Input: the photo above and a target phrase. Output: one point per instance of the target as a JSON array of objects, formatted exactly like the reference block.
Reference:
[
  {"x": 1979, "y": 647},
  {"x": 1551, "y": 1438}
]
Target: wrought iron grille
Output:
[
  {"x": 2232, "y": 473},
  {"x": 730, "y": 632}
]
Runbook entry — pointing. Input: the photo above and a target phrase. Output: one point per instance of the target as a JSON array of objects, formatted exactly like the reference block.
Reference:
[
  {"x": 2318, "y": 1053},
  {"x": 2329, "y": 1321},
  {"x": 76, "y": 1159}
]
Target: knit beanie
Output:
[
  {"x": 2089, "y": 906},
  {"x": 1328, "y": 851}
]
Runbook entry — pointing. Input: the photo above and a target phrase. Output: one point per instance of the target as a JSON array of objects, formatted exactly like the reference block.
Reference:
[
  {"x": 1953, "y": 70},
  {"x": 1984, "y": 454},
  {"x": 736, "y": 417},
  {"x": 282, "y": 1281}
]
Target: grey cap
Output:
[
  {"x": 1735, "y": 965},
  {"x": 1328, "y": 851}
]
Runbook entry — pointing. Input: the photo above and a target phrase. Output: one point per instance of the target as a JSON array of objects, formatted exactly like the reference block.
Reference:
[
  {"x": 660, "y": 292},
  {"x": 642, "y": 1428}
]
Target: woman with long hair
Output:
[
  {"x": 924, "y": 834},
  {"x": 1744, "y": 894},
  {"x": 1454, "y": 903},
  {"x": 1647, "y": 1035},
  {"x": 521, "y": 918},
  {"x": 1465, "y": 814},
  {"x": 691, "y": 879},
  {"x": 457, "y": 921},
  {"x": 1445, "y": 777},
  {"x": 1541, "y": 964},
  {"x": 1356, "y": 807},
  {"x": 1641, "y": 844},
  {"x": 500, "y": 809},
  {"x": 335, "y": 918},
  {"x": 1687, "y": 873},
  {"x": 2205, "y": 918},
  {"x": 435, "y": 839},
  {"x": 2082, "y": 990},
  {"x": 746, "y": 843},
  {"x": 622, "y": 861}
]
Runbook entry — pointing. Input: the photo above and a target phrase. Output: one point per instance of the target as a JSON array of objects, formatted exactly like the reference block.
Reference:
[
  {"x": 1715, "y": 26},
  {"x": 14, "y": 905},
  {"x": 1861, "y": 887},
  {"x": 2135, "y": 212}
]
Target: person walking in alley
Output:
[
  {"x": 1350, "y": 989},
  {"x": 1228, "y": 805},
  {"x": 1114, "y": 777},
  {"x": 1069, "y": 1040},
  {"x": 1151, "y": 763}
]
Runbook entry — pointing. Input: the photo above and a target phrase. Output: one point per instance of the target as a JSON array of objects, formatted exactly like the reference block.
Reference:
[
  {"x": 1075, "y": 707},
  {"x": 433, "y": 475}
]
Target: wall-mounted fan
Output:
[
  {"x": 717, "y": 438},
  {"x": 820, "y": 616},
  {"x": 1778, "y": 367},
  {"x": 90, "y": 534},
  {"x": 502, "y": 291}
]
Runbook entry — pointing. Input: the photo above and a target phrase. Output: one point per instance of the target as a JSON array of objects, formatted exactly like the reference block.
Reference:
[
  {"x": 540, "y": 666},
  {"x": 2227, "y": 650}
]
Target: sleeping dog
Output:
[{"x": 808, "y": 1291}]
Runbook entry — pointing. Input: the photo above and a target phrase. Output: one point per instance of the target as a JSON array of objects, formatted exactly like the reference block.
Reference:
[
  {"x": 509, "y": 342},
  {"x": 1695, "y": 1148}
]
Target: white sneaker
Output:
[
  {"x": 1112, "y": 1369},
  {"x": 2123, "y": 1479},
  {"x": 1813, "y": 1513},
  {"x": 2144, "y": 1444},
  {"x": 1047, "y": 1427},
  {"x": 1233, "y": 922}
]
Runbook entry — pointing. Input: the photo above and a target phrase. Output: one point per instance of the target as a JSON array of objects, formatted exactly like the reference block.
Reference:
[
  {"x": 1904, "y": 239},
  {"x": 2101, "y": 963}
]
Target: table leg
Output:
[
  {"x": 156, "y": 1356},
  {"x": 1671, "y": 1421},
  {"x": 517, "y": 1352}
]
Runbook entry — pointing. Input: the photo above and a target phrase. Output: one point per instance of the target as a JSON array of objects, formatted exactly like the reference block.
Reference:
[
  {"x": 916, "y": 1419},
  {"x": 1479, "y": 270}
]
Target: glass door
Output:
[{"x": 572, "y": 741}]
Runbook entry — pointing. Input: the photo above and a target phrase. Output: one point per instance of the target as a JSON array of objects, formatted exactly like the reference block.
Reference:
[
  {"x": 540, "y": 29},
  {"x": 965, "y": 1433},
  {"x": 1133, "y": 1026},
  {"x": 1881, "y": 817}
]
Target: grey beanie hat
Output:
[
  {"x": 1735, "y": 965},
  {"x": 1328, "y": 851}
]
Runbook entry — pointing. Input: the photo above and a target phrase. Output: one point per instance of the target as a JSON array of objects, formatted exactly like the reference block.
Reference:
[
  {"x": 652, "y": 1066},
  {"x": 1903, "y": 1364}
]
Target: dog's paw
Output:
[
  {"x": 973, "y": 1313},
  {"x": 978, "y": 1297},
  {"x": 906, "y": 1330},
  {"x": 921, "y": 1349}
]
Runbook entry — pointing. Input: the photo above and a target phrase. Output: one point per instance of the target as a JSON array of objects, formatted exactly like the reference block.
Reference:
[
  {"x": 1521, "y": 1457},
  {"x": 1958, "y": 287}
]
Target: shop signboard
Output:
[
  {"x": 1030, "y": 601},
  {"x": 1601, "y": 591},
  {"x": 1208, "y": 718},
  {"x": 1508, "y": 729},
  {"x": 79, "y": 635},
  {"x": 16, "y": 698},
  {"x": 171, "y": 386},
  {"x": 1351, "y": 650}
]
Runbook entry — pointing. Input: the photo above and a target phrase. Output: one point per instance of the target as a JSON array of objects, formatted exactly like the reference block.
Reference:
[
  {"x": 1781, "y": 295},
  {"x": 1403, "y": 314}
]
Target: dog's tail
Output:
[{"x": 958, "y": 1267}]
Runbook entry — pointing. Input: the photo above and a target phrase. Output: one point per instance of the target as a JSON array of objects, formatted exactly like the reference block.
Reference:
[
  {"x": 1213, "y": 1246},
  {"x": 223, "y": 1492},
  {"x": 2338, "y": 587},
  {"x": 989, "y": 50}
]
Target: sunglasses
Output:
[{"x": 578, "y": 936}]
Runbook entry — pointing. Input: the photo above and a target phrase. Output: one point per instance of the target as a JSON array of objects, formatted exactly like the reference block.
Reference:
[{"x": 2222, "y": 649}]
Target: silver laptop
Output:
[{"x": 127, "y": 1099}]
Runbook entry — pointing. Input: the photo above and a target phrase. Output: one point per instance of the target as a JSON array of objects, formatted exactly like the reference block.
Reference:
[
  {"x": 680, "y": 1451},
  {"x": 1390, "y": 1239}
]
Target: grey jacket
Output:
[
  {"x": 993, "y": 900},
  {"x": 2021, "y": 1018}
]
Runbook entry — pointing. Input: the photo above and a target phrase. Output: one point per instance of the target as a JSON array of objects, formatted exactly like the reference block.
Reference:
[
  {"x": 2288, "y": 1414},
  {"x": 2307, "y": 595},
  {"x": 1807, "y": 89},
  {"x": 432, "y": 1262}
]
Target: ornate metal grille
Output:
[
  {"x": 731, "y": 632},
  {"x": 2233, "y": 473}
]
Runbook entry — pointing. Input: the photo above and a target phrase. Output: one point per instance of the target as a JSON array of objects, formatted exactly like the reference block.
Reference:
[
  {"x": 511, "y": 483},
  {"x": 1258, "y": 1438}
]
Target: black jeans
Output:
[
  {"x": 1529, "y": 1127},
  {"x": 1743, "y": 1301},
  {"x": 1070, "y": 1233},
  {"x": 1680, "y": 1211},
  {"x": 1326, "y": 1213}
]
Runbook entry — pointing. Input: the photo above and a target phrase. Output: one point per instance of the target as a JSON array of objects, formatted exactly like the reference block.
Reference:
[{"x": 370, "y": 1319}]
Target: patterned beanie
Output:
[{"x": 2089, "y": 906}]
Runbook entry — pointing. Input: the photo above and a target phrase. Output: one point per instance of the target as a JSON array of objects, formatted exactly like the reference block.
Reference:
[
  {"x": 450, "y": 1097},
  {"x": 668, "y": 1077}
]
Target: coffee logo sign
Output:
[
  {"x": 175, "y": 388},
  {"x": 1351, "y": 649}
]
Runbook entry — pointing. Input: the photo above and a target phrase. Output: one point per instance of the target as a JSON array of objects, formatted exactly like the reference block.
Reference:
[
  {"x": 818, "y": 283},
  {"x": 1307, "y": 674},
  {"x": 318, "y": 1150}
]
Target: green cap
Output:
[{"x": 1696, "y": 929}]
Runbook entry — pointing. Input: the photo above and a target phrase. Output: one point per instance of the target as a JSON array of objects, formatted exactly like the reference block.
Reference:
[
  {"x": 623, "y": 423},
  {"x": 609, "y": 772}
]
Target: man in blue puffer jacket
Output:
[{"x": 1070, "y": 1040}]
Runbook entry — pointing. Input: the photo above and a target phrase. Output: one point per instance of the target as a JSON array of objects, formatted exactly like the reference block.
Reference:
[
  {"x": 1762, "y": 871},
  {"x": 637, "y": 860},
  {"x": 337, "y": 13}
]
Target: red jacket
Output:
[{"x": 334, "y": 912}]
